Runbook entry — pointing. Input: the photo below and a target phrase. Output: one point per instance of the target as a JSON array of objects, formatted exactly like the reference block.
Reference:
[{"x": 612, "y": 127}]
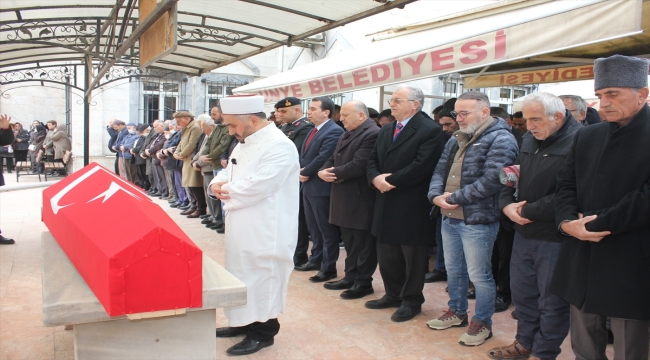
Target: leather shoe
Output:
[
  {"x": 221, "y": 230},
  {"x": 188, "y": 211},
  {"x": 435, "y": 275},
  {"x": 471, "y": 294},
  {"x": 357, "y": 292},
  {"x": 339, "y": 285},
  {"x": 405, "y": 313},
  {"x": 195, "y": 214},
  {"x": 248, "y": 346},
  {"x": 501, "y": 304},
  {"x": 513, "y": 315},
  {"x": 384, "y": 303},
  {"x": 6, "y": 241},
  {"x": 323, "y": 276},
  {"x": 175, "y": 205},
  {"x": 184, "y": 207},
  {"x": 155, "y": 194},
  {"x": 205, "y": 216},
  {"x": 214, "y": 226},
  {"x": 225, "y": 332},
  {"x": 307, "y": 267},
  {"x": 206, "y": 220}
]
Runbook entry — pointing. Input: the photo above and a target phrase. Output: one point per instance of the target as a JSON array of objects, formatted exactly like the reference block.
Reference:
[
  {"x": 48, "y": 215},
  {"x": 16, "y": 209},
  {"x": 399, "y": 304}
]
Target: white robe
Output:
[{"x": 261, "y": 222}]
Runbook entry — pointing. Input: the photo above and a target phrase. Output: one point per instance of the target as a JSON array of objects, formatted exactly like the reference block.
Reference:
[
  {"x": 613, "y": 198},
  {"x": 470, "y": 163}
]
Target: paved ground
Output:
[{"x": 318, "y": 324}]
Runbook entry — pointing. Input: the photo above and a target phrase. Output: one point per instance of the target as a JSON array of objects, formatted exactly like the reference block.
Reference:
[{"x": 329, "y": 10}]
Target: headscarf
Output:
[
  {"x": 41, "y": 132},
  {"x": 61, "y": 127}
]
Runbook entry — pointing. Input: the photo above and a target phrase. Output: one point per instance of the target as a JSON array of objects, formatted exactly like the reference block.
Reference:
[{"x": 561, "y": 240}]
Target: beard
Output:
[{"x": 470, "y": 129}]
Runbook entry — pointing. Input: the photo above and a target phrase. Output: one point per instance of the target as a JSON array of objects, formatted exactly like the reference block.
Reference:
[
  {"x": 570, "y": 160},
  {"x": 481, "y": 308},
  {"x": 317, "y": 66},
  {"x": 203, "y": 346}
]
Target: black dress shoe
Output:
[
  {"x": 206, "y": 220},
  {"x": 383, "y": 303},
  {"x": 501, "y": 304},
  {"x": 155, "y": 195},
  {"x": 174, "y": 205},
  {"x": 323, "y": 276},
  {"x": 225, "y": 332},
  {"x": 205, "y": 216},
  {"x": 513, "y": 315},
  {"x": 214, "y": 226},
  {"x": 357, "y": 292},
  {"x": 435, "y": 275},
  {"x": 248, "y": 346},
  {"x": 307, "y": 267},
  {"x": 405, "y": 313},
  {"x": 339, "y": 285},
  {"x": 184, "y": 207},
  {"x": 221, "y": 230},
  {"x": 471, "y": 294},
  {"x": 6, "y": 241}
]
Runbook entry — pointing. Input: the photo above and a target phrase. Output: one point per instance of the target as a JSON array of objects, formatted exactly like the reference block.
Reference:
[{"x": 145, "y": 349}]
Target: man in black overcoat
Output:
[
  {"x": 352, "y": 200},
  {"x": 603, "y": 210},
  {"x": 6, "y": 138},
  {"x": 400, "y": 168}
]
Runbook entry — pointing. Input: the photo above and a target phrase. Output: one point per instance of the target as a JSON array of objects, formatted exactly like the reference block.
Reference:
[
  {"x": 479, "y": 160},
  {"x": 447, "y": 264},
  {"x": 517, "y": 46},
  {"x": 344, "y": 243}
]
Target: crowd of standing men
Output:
[{"x": 568, "y": 241}]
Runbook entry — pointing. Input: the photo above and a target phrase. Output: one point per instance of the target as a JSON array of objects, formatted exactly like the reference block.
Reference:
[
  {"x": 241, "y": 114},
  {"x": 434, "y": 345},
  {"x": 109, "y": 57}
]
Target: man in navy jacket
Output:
[{"x": 317, "y": 149}]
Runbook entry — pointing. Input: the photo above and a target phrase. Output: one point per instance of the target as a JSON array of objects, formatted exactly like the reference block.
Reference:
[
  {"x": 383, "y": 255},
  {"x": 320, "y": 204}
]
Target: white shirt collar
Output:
[{"x": 321, "y": 125}]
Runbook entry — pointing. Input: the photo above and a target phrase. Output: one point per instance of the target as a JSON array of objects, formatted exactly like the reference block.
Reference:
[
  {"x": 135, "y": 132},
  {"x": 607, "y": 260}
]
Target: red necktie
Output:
[
  {"x": 310, "y": 137},
  {"x": 398, "y": 128}
]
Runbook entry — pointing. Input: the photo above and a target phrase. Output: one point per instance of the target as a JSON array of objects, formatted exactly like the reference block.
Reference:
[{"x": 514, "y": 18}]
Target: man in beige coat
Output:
[{"x": 191, "y": 179}]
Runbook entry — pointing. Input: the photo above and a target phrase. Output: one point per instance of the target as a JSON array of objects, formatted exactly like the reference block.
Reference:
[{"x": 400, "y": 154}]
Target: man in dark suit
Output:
[
  {"x": 503, "y": 244},
  {"x": 318, "y": 147},
  {"x": 296, "y": 127},
  {"x": 352, "y": 201},
  {"x": 400, "y": 167}
]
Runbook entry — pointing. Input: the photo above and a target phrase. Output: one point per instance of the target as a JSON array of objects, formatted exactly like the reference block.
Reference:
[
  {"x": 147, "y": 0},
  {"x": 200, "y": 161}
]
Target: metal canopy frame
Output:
[{"x": 39, "y": 38}]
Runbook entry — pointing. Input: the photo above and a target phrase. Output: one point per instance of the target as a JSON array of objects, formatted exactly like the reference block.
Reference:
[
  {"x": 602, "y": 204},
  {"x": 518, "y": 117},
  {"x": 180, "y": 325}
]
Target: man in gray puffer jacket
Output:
[{"x": 465, "y": 188}]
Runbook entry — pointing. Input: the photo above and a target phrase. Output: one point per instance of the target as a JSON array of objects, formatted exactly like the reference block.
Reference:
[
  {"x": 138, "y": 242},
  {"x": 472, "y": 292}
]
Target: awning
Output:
[
  {"x": 210, "y": 33},
  {"x": 500, "y": 38}
]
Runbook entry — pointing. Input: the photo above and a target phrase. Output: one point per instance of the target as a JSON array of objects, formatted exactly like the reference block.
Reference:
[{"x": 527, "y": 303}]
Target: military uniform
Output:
[{"x": 297, "y": 131}]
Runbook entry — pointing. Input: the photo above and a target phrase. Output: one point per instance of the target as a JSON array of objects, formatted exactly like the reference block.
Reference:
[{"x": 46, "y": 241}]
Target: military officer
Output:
[
  {"x": 293, "y": 124},
  {"x": 296, "y": 127}
]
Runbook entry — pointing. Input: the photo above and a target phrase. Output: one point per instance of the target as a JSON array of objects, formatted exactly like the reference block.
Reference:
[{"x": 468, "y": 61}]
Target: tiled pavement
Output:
[{"x": 317, "y": 324}]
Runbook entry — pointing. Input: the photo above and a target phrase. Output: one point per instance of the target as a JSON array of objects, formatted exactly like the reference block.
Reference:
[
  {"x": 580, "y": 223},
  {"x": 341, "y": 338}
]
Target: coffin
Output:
[{"x": 131, "y": 254}]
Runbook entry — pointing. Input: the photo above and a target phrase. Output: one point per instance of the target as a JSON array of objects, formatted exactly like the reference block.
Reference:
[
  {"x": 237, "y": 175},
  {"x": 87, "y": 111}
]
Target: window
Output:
[
  {"x": 160, "y": 100},
  {"x": 450, "y": 88},
  {"x": 229, "y": 90},
  {"x": 504, "y": 93},
  {"x": 215, "y": 90},
  {"x": 518, "y": 93}
]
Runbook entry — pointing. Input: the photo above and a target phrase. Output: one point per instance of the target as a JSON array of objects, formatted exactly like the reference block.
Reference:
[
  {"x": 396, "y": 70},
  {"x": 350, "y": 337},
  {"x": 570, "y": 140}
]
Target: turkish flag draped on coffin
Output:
[{"x": 131, "y": 254}]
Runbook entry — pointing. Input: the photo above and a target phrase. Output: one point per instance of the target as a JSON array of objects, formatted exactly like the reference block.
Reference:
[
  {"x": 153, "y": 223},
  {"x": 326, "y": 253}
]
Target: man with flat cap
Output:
[
  {"x": 603, "y": 210},
  {"x": 289, "y": 113},
  {"x": 260, "y": 195}
]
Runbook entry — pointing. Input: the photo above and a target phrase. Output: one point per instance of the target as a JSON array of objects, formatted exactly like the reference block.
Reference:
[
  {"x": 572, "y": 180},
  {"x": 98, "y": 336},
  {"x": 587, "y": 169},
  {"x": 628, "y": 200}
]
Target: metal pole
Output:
[{"x": 87, "y": 93}]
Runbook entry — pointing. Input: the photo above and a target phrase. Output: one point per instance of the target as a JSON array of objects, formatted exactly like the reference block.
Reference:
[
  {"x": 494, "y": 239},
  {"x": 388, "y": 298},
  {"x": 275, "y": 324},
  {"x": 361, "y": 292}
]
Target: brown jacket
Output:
[{"x": 189, "y": 138}]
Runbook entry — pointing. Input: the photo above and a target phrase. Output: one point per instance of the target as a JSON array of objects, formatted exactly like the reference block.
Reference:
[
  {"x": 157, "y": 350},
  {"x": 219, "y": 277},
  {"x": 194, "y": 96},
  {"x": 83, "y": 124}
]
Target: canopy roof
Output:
[
  {"x": 496, "y": 41},
  {"x": 210, "y": 33}
]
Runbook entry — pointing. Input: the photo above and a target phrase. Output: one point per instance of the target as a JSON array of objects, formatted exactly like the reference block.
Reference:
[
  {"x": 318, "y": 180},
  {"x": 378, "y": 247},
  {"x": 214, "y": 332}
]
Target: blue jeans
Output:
[{"x": 468, "y": 256}]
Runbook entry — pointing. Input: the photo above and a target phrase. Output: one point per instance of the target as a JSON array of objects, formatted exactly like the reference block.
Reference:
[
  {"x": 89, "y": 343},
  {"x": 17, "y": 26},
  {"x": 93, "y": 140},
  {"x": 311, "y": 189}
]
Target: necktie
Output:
[
  {"x": 310, "y": 137},
  {"x": 398, "y": 129}
]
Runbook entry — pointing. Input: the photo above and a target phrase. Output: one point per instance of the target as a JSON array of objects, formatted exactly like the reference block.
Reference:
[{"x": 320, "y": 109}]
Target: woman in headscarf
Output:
[{"x": 35, "y": 145}]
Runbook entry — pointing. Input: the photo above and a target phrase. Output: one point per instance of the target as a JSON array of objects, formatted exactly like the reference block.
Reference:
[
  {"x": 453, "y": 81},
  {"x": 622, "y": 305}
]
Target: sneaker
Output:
[
  {"x": 448, "y": 319},
  {"x": 476, "y": 335}
]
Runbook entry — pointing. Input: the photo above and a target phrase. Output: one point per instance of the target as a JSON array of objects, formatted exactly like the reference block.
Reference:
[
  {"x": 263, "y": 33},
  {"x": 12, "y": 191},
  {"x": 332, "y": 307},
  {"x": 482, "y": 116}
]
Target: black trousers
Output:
[
  {"x": 199, "y": 196},
  {"x": 361, "y": 259},
  {"x": 501, "y": 255},
  {"x": 117, "y": 159},
  {"x": 143, "y": 180},
  {"x": 402, "y": 268},
  {"x": 263, "y": 331},
  {"x": 300, "y": 255}
]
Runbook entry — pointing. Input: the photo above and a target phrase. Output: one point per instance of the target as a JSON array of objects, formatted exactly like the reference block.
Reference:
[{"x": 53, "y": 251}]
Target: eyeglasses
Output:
[
  {"x": 463, "y": 114},
  {"x": 397, "y": 101}
]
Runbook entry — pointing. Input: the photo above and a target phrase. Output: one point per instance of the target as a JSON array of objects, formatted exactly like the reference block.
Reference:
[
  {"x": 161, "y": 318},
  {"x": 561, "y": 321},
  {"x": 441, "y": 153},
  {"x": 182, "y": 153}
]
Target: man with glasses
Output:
[
  {"x": 465, "y": 187},
  {"x": 399, "y": 167}
]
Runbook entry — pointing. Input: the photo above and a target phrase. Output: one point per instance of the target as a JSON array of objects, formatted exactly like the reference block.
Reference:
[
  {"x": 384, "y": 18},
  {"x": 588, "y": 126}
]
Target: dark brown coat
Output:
[{"x": 352, "y": 201}]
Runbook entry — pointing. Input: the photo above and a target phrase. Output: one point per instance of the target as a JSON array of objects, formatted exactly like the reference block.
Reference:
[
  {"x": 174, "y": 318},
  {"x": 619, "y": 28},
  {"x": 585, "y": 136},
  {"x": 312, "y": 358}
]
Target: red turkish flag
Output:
[{"x": 131, "y": 254}]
